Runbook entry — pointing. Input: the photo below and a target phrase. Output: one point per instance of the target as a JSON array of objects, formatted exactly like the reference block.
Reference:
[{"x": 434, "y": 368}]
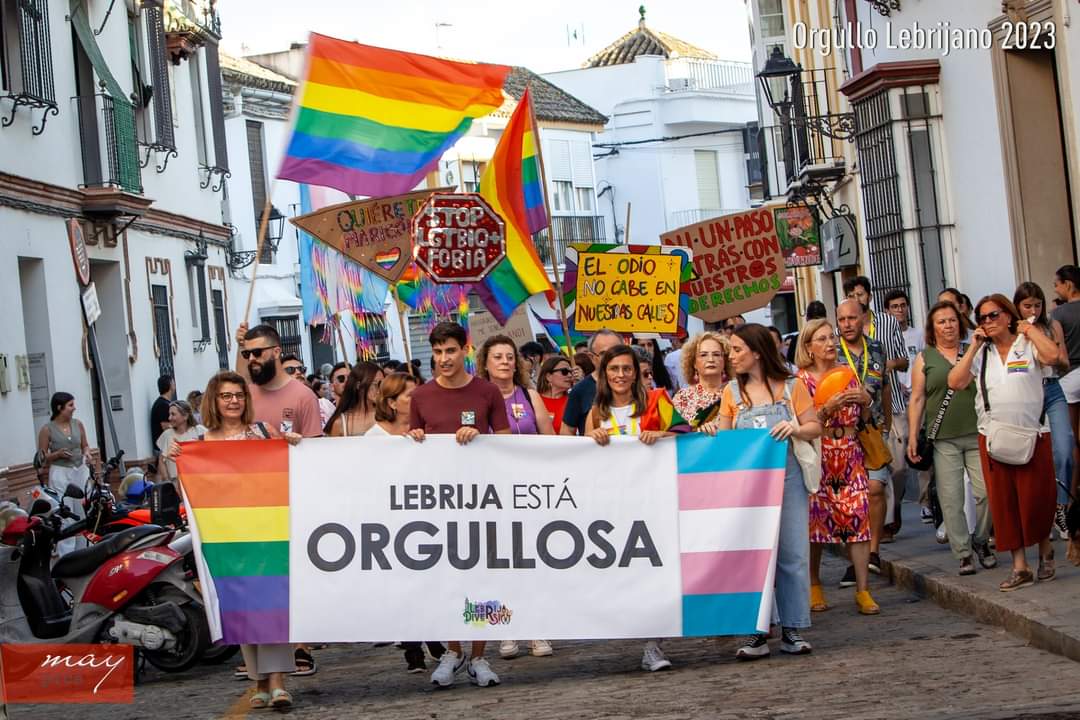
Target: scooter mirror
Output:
[{"x": 74, "y": 492}]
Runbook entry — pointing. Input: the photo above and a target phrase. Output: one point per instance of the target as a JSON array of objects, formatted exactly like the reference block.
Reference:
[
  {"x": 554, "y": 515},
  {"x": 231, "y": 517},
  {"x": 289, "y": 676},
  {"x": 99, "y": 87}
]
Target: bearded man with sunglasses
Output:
[{"x": 277, "y": 401}]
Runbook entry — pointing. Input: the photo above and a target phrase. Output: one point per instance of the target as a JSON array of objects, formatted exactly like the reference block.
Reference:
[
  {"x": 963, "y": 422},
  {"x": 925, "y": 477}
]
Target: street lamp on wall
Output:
[
  {"x": 776, "y": 78},
  {"x": 275, "y": 228}
]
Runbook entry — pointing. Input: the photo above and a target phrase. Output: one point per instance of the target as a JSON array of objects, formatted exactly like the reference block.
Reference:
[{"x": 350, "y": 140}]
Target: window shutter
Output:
[
  {"x": 582, "y": 159},
  {"x": 217, "y": 110},
  {"x": 159, "y": 73},
  {"x": 708, "y": 179},
  {"x": 35, "y": 52},
  {"x": 561, "y": 167}
]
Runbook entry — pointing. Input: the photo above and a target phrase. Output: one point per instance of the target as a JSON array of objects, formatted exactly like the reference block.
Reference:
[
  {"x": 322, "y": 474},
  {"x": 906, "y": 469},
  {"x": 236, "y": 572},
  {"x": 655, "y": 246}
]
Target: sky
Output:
[{"x": 538, "y": 35}]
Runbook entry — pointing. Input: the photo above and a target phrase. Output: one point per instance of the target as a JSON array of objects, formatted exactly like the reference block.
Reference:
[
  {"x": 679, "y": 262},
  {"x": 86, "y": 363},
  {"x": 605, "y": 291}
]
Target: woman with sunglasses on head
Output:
[
  {"x": 840, "y": 509},
  {"x": 764, "y": 395},
  {"x": 956, "y": 443},
  {"x": 618, "y": 409},
  {"x": 1031, "y": 304},
  {"x": 228, "y": 415},
  {"x": 182, "y": 427},
  {"x": 498, "y": 361},
  {"x": 554, "y": 383},
  {"x": 355, "y": 411},
  {"x": 1007, "y": 361},
  {"x": 705, "y": 366}
]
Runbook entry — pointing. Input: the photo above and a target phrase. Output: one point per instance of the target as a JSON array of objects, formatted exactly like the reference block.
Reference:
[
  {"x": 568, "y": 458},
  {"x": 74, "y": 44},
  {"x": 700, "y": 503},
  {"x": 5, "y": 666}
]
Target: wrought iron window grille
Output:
[
  {"x": 885, "y": 7},
  {"x": 37, "y": 91}
]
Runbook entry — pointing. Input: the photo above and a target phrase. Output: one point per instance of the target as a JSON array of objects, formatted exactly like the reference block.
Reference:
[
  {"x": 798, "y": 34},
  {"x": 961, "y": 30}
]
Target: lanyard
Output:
[
  {"x": 865, "y": 359},
  {"x": 616, "y": 430},
  {"x": 873, "y": 326}
]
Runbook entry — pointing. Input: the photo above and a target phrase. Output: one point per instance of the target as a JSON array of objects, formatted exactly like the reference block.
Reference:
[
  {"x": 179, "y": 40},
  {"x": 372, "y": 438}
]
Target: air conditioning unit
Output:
[{"x": 681, "y": 84}]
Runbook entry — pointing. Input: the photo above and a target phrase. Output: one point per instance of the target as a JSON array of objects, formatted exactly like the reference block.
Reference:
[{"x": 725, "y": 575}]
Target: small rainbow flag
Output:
[
  {"x": 511, "y": 185},
  {"x": 371, "y": 121},
  {"x": 662, "y": 415},
  {"x": 238, "y": 495}
]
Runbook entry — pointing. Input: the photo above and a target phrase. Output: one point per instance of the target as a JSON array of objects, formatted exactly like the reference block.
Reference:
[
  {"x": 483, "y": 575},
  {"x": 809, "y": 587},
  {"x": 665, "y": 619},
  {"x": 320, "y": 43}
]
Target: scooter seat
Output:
[{"x": 84, "y": 562}]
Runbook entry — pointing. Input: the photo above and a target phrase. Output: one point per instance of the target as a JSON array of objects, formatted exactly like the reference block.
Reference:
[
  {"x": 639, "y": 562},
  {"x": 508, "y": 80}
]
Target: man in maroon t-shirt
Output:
[{"x": 456, "y": 402}]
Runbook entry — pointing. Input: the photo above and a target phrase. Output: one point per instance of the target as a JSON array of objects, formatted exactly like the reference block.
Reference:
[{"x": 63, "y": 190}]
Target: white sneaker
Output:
[
  {"x": 541, "y": 648},
  {"x": 508, "y": 649},
  {"x": 450, "y": 664},
  {"x": 653, "y": 658},
  {"x": 480, "y": 673},
  {"x": 941, "y": 535}
]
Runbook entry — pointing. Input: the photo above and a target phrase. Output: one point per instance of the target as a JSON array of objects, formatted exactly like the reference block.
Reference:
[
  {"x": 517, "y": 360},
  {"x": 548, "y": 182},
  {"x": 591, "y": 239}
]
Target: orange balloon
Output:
[{"x": 835, "y": 381}]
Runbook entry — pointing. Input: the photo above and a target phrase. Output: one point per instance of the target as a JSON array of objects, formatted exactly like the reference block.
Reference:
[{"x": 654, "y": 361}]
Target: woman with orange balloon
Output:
[{"x": 839, "y": 511}]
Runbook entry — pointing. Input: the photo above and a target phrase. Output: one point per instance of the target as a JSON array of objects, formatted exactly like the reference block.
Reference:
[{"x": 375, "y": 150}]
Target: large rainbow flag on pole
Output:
[
  {"x": 371, "y": 121},
  {"x": 240, "y": 500},
  {"x": 511, "y": 184}
]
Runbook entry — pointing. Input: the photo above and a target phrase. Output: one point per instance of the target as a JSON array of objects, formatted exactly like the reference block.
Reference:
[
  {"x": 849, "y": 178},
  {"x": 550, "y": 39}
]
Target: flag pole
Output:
[
  {"x": 550, "y": 229},
  {"x": 401, "y": 320},
  {"x": 626, "y": 228},
  {"x": 258, "y": 254},
  {"x": 340, "y": 332}
]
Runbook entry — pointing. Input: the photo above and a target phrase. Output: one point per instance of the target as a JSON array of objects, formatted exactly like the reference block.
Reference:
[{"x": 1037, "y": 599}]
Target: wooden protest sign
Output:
[
  {"x": 737, "y": 260},
  {"x": 483, "y": 325},
  {"x": 374, "y": 232},
  {"x": 628, "y": 288}
]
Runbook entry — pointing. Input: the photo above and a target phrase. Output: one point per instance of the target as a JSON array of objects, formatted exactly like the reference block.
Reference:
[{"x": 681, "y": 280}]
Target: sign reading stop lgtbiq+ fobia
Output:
[{"x": 458, "y": 238}]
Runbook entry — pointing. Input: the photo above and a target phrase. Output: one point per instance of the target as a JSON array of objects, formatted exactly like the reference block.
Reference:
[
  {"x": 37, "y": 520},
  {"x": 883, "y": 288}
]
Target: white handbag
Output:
[{"x": 807, "y": 452}]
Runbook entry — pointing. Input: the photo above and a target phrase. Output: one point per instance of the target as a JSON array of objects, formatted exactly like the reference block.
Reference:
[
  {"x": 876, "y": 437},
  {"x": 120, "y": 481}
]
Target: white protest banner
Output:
[{"x": 382, "y": 538}]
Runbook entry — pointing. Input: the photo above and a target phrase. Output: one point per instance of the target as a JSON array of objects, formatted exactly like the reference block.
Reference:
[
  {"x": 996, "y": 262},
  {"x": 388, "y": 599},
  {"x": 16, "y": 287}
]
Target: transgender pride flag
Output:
[{"x": 730, "y": 491}]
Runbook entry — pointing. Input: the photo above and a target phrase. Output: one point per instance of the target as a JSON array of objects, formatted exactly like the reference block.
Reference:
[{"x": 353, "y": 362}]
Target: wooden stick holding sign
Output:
[
  {"x": 551, "y": 237},
  {"x": 401, "y": 320},
  {"x": 258, "y": 254},
  {"x": 626, "y": 228}
]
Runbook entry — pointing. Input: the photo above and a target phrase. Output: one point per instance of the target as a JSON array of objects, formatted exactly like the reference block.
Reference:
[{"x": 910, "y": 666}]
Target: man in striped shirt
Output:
[{"x": 884, "y": 328}]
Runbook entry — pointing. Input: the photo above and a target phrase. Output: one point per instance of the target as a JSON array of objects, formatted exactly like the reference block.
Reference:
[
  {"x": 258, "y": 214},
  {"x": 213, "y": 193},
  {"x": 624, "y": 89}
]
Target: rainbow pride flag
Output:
[
  {"x": 240, "y": 503},
  {"x": 372, "y": 121},
  {"x": 661, "y": 414},
  {"x": 511, "y": 185}
]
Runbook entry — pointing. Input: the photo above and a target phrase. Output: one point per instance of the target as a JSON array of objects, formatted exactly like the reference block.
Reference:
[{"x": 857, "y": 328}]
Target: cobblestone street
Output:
[{"x": 914, "y": 660}]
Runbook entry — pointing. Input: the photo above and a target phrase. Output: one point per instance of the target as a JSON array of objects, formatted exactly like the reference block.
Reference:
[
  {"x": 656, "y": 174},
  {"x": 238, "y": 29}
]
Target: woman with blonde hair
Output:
[
  {"x": 840, "y": 509},
  {"x": 706, "y": 366}
]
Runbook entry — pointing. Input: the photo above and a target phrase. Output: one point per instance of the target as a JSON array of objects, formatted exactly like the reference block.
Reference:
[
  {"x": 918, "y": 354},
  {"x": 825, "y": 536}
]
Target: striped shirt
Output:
[{"x": 884, "y": 328}]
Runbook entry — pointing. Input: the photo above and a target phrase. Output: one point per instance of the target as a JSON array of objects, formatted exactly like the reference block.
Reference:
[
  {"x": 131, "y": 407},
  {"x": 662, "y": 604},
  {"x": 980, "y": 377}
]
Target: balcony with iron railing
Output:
[
  {"x": 682, "y": 218},
  {"x": 726, "y": 76},
  {"x": 109, "y": 143},
  {"x": 566, "y": 229}
]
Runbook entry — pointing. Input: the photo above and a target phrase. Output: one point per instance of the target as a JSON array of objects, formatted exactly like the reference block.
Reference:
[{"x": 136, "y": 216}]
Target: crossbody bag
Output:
[{"x": 1006, "y": 443}]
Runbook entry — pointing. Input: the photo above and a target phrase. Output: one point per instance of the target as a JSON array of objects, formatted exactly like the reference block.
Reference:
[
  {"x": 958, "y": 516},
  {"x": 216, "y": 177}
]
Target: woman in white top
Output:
[
  {"x": 392, "y": 407},
  {"x": 1008, "y": 361},
  {"x": 620, "y": 403},
  {"x": 182, "y": 426}
]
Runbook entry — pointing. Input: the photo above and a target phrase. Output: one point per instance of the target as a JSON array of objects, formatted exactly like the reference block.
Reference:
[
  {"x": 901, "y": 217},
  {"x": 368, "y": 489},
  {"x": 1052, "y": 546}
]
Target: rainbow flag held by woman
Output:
[
  {"x": 511, "y": 184},
  {"x": 371, "y": 121}
]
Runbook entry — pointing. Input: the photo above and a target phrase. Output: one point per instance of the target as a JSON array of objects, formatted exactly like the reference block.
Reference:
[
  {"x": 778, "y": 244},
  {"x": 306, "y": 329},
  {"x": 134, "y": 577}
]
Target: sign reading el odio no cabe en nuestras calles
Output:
[{"x": 737, "y": 260}]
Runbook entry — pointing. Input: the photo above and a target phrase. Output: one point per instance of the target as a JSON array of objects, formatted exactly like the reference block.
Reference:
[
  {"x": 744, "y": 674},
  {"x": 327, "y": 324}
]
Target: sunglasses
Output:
[
  {"x": 563, "y": 371},
  {"x": 255, "y": 352},
  {"x": 993, "y": 315},
  {"x": 293, "y": 369},
  {"x": 341, "y": 378}
]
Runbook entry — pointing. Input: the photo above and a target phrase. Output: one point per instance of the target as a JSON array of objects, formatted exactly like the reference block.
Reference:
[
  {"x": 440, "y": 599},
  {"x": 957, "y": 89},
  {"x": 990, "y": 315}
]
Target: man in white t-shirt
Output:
[{"x": 897, "y": 305}]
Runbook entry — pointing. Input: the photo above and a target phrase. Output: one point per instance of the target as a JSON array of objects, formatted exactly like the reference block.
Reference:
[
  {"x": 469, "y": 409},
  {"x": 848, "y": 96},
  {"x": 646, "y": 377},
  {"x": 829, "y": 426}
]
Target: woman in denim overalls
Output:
[{"x": 762, "y": 395}]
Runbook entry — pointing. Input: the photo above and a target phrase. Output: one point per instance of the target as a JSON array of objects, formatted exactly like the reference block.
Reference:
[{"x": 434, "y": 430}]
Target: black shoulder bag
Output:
[{"x": 925, "y": 448}]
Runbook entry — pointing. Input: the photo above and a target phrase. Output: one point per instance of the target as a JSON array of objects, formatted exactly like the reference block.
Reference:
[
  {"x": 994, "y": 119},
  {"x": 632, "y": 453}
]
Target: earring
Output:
[{"x": 811, "y": 356}]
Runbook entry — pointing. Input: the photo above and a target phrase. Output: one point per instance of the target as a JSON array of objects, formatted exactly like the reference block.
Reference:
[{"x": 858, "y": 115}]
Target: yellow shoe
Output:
[
  {"x": 817, "y": 599},
  {"x": 866, "y": 604}
]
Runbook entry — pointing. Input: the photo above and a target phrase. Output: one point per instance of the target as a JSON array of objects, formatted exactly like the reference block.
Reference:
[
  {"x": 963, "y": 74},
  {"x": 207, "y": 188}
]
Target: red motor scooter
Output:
[{"x": 129, "y": 588}]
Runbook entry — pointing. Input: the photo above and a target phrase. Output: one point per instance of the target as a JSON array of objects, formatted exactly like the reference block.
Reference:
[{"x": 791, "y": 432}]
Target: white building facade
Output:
[{"x": 116, "y": 126}]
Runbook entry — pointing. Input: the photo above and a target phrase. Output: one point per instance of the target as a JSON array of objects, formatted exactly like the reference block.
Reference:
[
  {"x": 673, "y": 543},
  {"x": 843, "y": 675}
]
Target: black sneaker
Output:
[
  {"x": 849, "y": 577},
  {"x": 792, "y": 642},
  {"x": 875, "y": 563},
  {"x": 987, "y": 558},
  {"x": 414, "y": 660},
  {"x": 967, "y": 566},
  {"x": 926, "y": 516},
  {"x": 753, "y": 647}
]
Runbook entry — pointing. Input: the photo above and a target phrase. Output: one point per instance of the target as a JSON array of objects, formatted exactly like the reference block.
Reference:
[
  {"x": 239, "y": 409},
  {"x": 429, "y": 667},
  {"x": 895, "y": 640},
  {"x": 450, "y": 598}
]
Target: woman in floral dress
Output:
[
  {"x": 705, "y": 365},
  {"x": 839, "y": 511}
]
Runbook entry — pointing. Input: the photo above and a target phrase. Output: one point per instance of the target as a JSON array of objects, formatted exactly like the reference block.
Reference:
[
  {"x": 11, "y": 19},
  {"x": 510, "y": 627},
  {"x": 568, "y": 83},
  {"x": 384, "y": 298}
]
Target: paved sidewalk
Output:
[{"x": 1044, "y": 615}]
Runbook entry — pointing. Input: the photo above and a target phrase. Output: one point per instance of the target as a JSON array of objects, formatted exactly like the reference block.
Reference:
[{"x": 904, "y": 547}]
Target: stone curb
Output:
[{"x": 928, "y": 582}]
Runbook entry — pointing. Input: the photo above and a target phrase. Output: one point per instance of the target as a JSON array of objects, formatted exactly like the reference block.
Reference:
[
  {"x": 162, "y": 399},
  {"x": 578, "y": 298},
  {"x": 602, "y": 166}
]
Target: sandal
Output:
[
  {"x": 1016, "y": 580},
  {"x": 866, "y": 604},
  {"x": 259, "y": 701},
  {"x": 305, "y": 663},
  {"x": 817, "y": 599},
  {"x": 1046, "y": 569},
  {"x": 240, "y": 673},
  {"x": 280, "y": 698}
]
